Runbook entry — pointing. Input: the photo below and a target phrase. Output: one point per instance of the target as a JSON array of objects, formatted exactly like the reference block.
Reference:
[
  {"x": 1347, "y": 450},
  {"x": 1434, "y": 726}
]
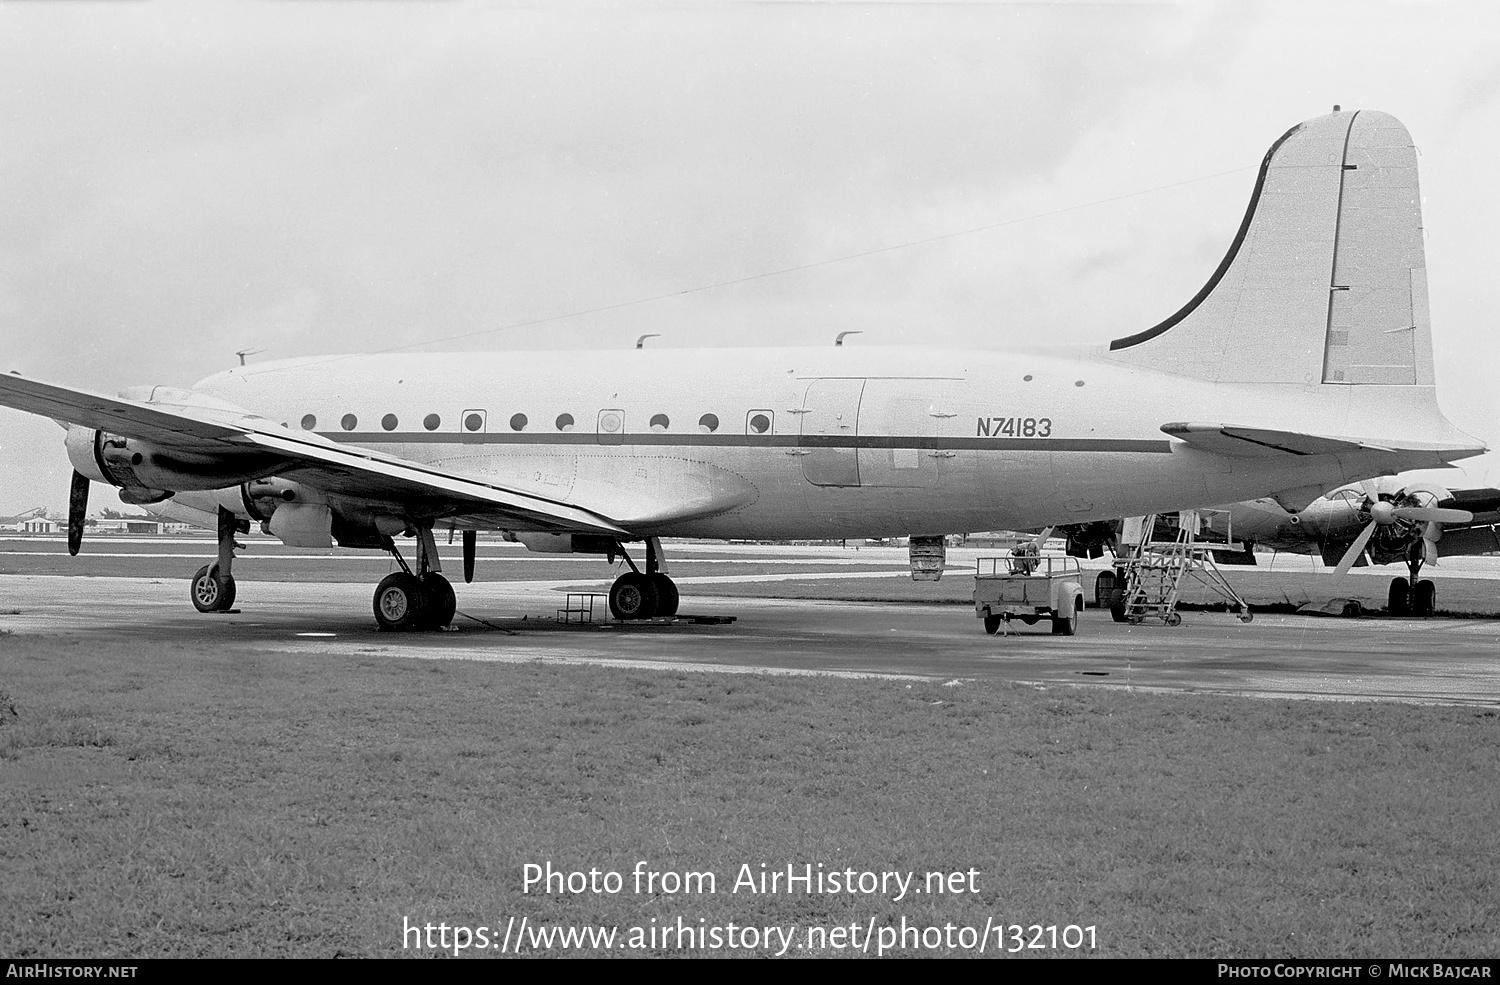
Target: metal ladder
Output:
[{"x": 1158, "y": 570}]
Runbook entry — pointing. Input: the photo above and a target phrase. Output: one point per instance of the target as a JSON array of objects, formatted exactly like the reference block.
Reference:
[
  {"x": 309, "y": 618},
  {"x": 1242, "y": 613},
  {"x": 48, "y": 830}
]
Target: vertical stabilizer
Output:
[{"x": 1325, "y": 282}]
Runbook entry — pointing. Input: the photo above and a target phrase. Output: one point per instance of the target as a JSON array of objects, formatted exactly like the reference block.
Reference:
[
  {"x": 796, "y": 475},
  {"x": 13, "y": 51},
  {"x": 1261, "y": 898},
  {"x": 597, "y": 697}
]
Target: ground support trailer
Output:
[{"x": 1029, "y": 588}]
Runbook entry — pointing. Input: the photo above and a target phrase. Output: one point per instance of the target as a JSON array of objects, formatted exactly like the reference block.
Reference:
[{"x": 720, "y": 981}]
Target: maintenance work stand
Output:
[{"x": 1149, "y": 578}]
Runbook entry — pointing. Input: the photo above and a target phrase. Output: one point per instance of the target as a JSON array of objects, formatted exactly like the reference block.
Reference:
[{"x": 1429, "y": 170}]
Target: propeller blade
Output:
[
  {"x": 1431, "y": 534},
  {"x": 78, "y": 505},
  {"x": 470, "y": 539},
  {"x": 1355, "y": 549},
  {"x": 1041, "y": 539},
  {"x": 1432, "y": 514}
]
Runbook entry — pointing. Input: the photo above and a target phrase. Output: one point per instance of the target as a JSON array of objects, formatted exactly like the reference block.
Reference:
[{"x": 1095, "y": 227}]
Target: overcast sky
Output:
[{"x": 181, "y": 181}]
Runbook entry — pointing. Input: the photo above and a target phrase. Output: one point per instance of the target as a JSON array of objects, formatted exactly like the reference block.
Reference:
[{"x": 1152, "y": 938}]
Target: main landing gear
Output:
[
  {"x": 1410, "y": 597},
  {"x": 212, "y": 587},
  {"x": 644, "y": 594},
  {"x": 408, "y": 600}
]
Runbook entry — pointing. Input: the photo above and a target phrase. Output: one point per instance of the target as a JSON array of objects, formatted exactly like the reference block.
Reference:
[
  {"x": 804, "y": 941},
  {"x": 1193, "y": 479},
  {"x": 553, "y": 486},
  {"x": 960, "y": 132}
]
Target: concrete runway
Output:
[{"x": 1435, "y": 660}]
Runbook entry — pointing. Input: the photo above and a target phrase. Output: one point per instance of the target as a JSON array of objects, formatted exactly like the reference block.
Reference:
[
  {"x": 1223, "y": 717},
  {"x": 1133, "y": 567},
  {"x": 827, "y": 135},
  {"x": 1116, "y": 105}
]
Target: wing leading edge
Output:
[{"x": 210, "y": 426}]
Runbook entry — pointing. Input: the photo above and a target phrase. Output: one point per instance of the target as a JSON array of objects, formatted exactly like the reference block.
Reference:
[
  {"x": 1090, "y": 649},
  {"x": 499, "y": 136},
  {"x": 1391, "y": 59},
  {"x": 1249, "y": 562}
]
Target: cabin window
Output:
[
  {"x": 759, "y": 421},
  {"x": 349, "y": 422},
  {"x": 518, "y": 422},
  {"x": 309, "y": 422},
  {"x": 565, "y": 422},
  {"x": 432, "y": 422},
  {"x": 660, "y": 422},
  {"x": 388, "y": 422},
  {"x": 474, "y": 421},
  {"x": 708, "y": 423}
]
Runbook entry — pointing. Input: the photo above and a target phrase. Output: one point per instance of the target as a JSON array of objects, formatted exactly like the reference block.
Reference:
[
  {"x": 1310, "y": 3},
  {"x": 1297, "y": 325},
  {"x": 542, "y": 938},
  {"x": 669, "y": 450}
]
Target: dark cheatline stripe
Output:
[{"x": 871, "y": 442}]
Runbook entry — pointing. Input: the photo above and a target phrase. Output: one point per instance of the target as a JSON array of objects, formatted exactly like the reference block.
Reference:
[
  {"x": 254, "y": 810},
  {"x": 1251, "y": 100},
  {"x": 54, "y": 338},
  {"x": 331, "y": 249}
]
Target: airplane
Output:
[
  {"x": 1412, "y": 518},
  {"x": 1304, "y": 362}
]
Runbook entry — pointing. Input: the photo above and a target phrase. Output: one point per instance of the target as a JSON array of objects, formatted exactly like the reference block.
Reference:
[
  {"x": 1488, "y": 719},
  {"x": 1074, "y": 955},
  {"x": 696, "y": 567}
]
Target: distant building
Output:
[
  {"x": 18, "y": 523},
  {"x": 127, "y": 525}
]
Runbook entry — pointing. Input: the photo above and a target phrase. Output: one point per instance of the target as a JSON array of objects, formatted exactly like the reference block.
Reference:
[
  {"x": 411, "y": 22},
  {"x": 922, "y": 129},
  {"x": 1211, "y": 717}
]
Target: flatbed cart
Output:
[{"x": 1030, "y": 588}]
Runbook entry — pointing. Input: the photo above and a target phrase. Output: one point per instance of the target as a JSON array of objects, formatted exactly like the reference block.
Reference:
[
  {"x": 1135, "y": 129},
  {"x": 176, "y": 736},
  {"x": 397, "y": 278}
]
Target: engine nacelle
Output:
[
  {"x": 302, "y": 524},
  {"x": 256, "y": 501},
  {"x": 539, "y": 543},
  {"x": 145, "y": 473}
]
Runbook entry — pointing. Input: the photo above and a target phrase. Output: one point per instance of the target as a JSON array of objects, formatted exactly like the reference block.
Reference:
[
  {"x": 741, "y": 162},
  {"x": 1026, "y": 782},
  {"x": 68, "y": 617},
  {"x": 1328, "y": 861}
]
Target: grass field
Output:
[{"x": 244, "y": 804}]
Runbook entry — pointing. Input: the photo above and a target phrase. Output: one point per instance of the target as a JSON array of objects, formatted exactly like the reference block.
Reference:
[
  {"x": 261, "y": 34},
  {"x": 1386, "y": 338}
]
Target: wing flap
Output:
[{"x": 367, "y": 474}]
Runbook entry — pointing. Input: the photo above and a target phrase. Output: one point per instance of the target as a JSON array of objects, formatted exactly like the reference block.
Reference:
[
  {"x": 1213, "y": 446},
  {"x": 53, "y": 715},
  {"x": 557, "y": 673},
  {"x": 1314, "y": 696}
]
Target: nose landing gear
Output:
[{"x": 1410, "y": 597}]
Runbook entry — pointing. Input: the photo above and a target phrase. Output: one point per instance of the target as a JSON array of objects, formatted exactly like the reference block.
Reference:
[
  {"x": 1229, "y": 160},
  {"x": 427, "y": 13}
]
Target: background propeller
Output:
[{"x": 1384, "y": 513}]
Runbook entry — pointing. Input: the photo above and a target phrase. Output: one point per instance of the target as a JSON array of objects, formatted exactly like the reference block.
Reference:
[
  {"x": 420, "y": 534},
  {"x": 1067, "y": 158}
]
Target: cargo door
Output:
[{"x": 830, "y": 427}]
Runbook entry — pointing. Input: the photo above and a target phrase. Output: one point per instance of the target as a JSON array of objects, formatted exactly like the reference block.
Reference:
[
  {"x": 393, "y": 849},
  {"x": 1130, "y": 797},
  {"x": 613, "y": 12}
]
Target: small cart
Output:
[{"x": 1030, "y": 588}]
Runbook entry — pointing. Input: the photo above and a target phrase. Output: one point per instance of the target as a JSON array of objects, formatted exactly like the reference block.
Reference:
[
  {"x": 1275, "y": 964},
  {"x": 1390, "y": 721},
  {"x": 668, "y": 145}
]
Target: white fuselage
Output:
[{"x": 824, "y": 442}]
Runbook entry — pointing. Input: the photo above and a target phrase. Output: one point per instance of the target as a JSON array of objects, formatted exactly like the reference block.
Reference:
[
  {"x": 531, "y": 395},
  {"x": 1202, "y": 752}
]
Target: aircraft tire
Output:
[
  {"x": 666, "y": 595},
  {"x": 401, "y": 603},
  {"x": 209, "y": 592},
  {"x": 632, "y": 596},
  {"x": 441, "y": 603},
  {"x": 992, "y": 624},
  {"x": 1424, "y": 598},
  {"x": 1398, "y": 602},
  {"x": 1117, "y": 612}
]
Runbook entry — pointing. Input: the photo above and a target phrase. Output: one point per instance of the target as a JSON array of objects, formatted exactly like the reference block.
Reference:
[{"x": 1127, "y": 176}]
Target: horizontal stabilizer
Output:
[{"x": 1244, "y": 442}]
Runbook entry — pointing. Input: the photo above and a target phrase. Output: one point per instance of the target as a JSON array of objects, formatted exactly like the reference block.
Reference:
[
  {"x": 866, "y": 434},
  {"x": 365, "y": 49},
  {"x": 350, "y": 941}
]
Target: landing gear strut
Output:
[
  {"x": 212, "y": 587},
  {"x": 1410, "y": 597},
  {"x": 407, "y": 600},
  {"x": 644, "y": 594}
]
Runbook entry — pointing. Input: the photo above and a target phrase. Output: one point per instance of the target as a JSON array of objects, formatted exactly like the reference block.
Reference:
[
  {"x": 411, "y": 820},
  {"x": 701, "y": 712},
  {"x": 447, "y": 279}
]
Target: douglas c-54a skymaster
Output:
[{"x": 1305, "y": 361}]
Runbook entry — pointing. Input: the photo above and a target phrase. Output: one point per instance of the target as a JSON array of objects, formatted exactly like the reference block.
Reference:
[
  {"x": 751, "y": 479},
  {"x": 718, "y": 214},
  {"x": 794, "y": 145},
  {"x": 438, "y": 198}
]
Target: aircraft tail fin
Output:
[{"x": 1326, "y": 280}]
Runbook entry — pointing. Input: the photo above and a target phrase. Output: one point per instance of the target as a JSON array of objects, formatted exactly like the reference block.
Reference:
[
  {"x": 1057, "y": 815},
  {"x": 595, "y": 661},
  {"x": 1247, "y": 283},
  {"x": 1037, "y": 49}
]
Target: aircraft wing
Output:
[
  {"x": 1227, "y": 439},
  {"x": 115, "y": 414},
  {"x": 320, "y": 463},
  {"x": 1470, "y": 540},
  {"x": 1484, "y": 503}
]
